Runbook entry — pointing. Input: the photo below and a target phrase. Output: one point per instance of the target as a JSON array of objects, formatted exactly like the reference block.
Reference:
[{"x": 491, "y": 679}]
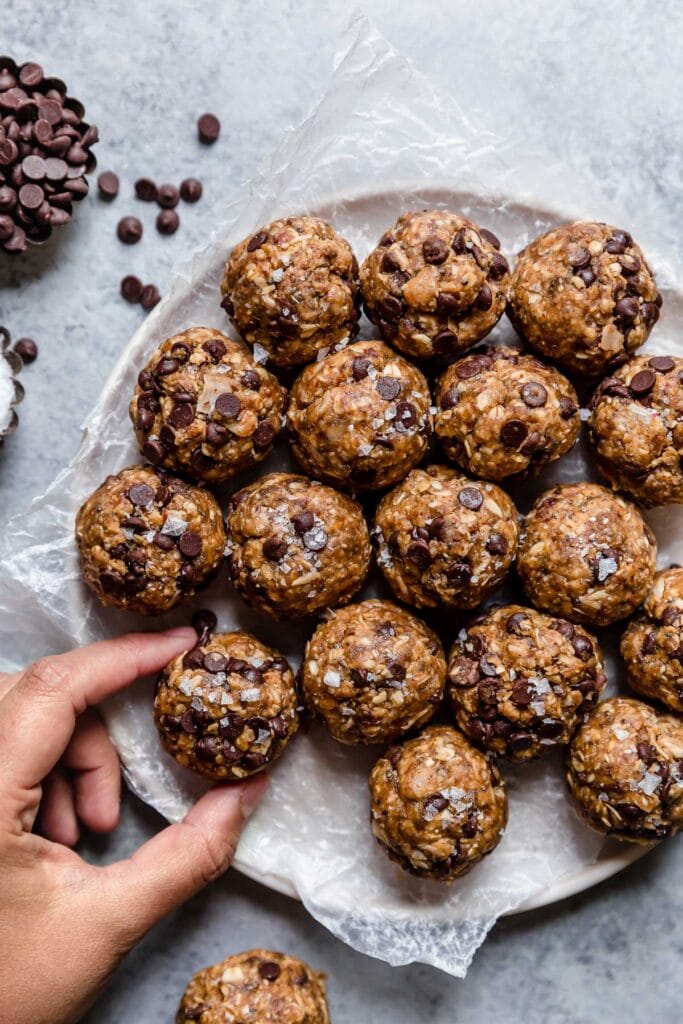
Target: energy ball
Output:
[
  {"x": 148, "y": 540},
  {"x": 373, "y": 672},
  {"x": 436, "y": 283},
  {"x": 295, "y": 546},
  {"x": 438, "y": 805},
  {"x": 652, "y": 646},
  {"x": 258, "y": 986},
  {"x": 227, "y": 708},
  {"x": 501, "y": 413},
  {"x": 292, "y": 290},
  {"x": 360, "y": 419},
  {"x": 584, "y": 296},
  {"x": 203, "y": 407},
  {"x": 625, "y": 771},
  {"x": 442, "y": 539},
  {"x": 636, "y": 429},
  {"x": 586, "y": 554},
  {"x": 520, "y": 681}
]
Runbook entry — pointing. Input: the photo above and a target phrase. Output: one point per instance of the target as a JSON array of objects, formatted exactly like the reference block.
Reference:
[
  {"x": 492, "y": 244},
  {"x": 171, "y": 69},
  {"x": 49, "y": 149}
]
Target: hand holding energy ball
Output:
[{"x": 72, "y": 922}]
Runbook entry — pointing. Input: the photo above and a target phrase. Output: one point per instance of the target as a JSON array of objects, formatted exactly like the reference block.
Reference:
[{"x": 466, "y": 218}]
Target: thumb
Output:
[{"x": 183, "y": 858}]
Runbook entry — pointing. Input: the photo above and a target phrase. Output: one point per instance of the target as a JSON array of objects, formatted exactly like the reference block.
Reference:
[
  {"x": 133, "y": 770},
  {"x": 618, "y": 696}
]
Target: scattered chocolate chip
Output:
[
  {"x": 26, "y": 349},
  {"x": 626, "y": 308},
  {"x": 649, "y": 644},
  {"x": 662, "y": 364},
  {"x": 642, "y": 383},
  {"x": 484, "y": 299},
  {"x": 582, "y": 646},
  {"x": 435, "y": 804},
  {"x": 167, "y": 197},
  {"x": 181, "y": 415},
  {"x": 650, "y": 312},
  {"x": 141, "y": 494},
  {"x": 208, "y": 128},
  {"x": 418, "y": 552},
  {"x": 274, "y": 548},
  {"x": 587, "y": 276},
  {"x": 256, "y": 241},
  {"x": 107, "y": 185},
  {"x": 112, "y": 583},
  {"x": 567, "y": 408},
  {"x": 497, "y": 544},
  {"x": 444, "y": 342},
  {"x": 521, "y": 695},
  {"x": 513, "y": 433},
  {"x": 471, "y": 498},
  {"x": 472, "y": 367},
  {"x": 215, "y": 348},
  {"x": 515, "y": 622},
  {"x": 251, "y": 379},
  {"x": 215, "y": 662},
  {"x": 153, "y": 450},
  {"x": 490, "y": 237},
  {"x": 167, "y": 222},
  {"x": 131, "y": 288},
  {"x": 550, "y": 729},
  {"x": 146, "y": 190},
  {"x": 534, "y": 395},
  {"x": 163, "y": 541},
  {"x": 302, "y": 521},
  {"x": 228, "y": 405},
  {"x": 217, "y": 435},
  {"x": 191, "y": 190},
  {"x": 450, "y": 398},
  {"x": 459, "y": 574},
  {"x": 580, "y": 258},
  {"x": 434, "y": 250},
  {"x": 388, "y": 388},
  {"x": 129, "y": 230},
  {"x": 520, "y": 741},
  {"x": 263, "y": 436},
  {"x": 360, "y": 367},
  {"x": 269, "y": 970},
  {"x": 167, "y": 366},
  {"x": 190, "y": 544},
  {"x": 391, "y": 308},
  {"x": 150, "y": 296},
  {"x": 616, "y": 244}
]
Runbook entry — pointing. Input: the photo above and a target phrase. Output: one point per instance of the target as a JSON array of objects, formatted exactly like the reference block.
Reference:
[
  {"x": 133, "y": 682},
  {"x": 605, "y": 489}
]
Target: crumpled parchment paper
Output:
[{"x": 382, "y": 140}]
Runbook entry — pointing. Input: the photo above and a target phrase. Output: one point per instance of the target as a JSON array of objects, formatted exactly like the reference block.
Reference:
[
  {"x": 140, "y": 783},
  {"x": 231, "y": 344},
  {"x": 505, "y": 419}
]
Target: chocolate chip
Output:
[
  {"x": 274, "y": 548},
  {"x": 150, "y": 296},
  {"x": 450, "y": 398},
  {"x": 490, "y": 237},
  {"x": 418, "y": 552},
  {"x": 629, "y": 811},
  {"x": 31, "y": 196},
  {"x": 515, "y": 622},
  {"x": 520, "y": 741},
  {"x": 626, "y": 308},
  {"x": 167, "y": 222},
  {"x": 215, "y": 348},
  {"x": 435, "y": 804},
  {"x": 472, "y": 367},
  {"x": 187, "y": 577},
  {"x": 134, "y": 523},
  {"x": 129, "y": 230},
  {"x": 141, "y": 494},
  {"x": 191, "y": 190},
  {"x": 302, "y": 521},
  {"x": 444, "y": 342},
  {"x": 550, "y": 729},
  {"x": 534, "y": 394},
  {"x": 582, "y": 646},
  {"x": 642, "y": 383},
  {"x": 167, "y": 366},
  {"x": 360, "y": 367},
  {"x": 190, "y": 544},
  {"x": 587, "y": 276},
  {"x": 256, "y": 241},
  {"x": 131, "y": 288},
  {"x": 251, "y": 379},
  {"x": 499, "y": 266},
  {"x": 615, "y": 245},
  {"x": 107, "y": 184},
  {"x": 613, "y": 387},
  {"x": 228, "y": 405},
  {"x": 167, "y": 197},
  {"x": 580, "y": 258},
  {"x": 649, "y": 644},
  {"x": 513, "y": 433},
  {"x": 650, "y": 312},
  {"x": 26, "y": 349},
  {"x": 163, "y": 541},
  {"x": 263, "y": 436},
  {"x": 447, "y": 305},
  {"x": 217, "y": 435},
  {"x": 471, "y": 498},
  {"x": 484, "y": 299},
  {"x": 112, "y": 583},
  {"x": 269, "y": 970},
  {"x": 459, "y": 574},
  {"x": 567, "y": 408},
  {"x": 521, "y": 695},
  {"x": 497, "y": 544},
  {"x": 406, "y": 415},
  {"x": 391, "y": 308},
  {"x": 215, "y": 662},
  {"x": 208, "y": 128},
  {"x": 146, "y": 190},
  {"x": 434, "y": 250},
  {"x": 181, "y": 415},
  {"x": 662, "y": 364},
  {"x": 388, "y": 388}
]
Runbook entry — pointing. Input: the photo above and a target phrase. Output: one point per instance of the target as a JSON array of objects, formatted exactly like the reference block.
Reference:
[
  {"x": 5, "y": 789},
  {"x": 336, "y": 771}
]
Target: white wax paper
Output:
[{"x": 381, "y": 141}]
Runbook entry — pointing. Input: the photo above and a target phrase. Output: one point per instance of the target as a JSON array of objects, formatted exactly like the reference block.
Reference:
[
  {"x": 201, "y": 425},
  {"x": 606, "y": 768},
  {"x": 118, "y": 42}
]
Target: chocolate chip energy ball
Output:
[
  {"x": 584, "y": 296},
  {"x": 292, "y": 289},
  {"x": 438, "y": 805},
  {"x": 652, "y": 646},
  {"x": 373, "y": 672},
  {"x": 227, "y": 708},
  {"x": 625, "y": 771},
  {"x": 442, "y": 539},
  {"x": 148, "y": 540},
  {"x": 586, "y": 554},
  {"x": 360, "y": 419},
  {"x": 294, "y": 546},
  {"x": 520, "y": 681},
  {"x": 258, "y": 986},
  {"x": 636, "y": 429},
  {"x": 203, "y": 407},
  {"x": 435, "y": 284},
  {"x": 501, "y": 413}
]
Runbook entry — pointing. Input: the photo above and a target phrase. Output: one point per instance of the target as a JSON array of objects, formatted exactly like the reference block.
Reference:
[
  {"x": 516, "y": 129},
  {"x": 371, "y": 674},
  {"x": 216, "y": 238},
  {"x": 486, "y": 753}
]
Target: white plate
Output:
[{"x": 150, "y": 772}]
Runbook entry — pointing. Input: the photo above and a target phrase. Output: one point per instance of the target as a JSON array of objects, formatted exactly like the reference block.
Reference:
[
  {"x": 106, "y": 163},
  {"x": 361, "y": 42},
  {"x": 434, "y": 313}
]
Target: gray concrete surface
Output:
[{"x": 582, "y": 76}]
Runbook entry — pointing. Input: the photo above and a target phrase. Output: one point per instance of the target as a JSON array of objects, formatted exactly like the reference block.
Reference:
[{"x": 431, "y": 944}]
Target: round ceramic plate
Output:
[{"x": 298, "y": 807}]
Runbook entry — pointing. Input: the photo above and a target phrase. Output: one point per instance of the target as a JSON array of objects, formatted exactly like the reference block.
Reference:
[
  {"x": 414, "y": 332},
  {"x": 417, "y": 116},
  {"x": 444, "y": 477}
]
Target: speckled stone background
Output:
[{"x": 603, "y": 77}]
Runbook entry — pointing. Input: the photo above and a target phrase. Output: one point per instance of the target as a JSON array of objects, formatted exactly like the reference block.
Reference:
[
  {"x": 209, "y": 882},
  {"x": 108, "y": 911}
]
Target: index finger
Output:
[{"x": 38, "y": 714}]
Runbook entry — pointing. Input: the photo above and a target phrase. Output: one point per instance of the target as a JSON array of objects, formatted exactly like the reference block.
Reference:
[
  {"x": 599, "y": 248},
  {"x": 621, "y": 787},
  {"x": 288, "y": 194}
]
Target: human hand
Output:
[{"x": 65, "y": 924}]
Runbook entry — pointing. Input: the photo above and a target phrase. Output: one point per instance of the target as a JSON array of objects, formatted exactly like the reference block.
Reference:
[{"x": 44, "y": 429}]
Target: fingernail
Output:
[
  {"x": 251, "y": 794},
  {"x": 181, "y": 633}
]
